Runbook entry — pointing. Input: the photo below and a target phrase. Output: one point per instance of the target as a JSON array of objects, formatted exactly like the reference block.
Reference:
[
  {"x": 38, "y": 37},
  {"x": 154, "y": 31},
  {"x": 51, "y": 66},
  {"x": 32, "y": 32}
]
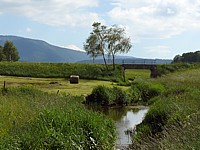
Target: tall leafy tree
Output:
[
  {"x": 96, "y": 43},
  {"x": 91, "y": 47},
  {"x": 117, "y": 42},
  {"x": 10, "y": 52},
  {"x": 107, "y": 41}
]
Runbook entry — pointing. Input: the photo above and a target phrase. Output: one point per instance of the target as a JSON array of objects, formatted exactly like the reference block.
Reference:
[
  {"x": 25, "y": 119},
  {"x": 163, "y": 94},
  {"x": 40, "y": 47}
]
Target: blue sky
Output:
[{"x": 157, "y": 28}]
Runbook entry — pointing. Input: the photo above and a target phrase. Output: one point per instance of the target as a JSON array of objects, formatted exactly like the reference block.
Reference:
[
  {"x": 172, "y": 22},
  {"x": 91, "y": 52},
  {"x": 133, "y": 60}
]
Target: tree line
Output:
[
  {"x": 9, "y": 52},
  {"x": 190, "y": 57},
  {"x": 107, "y": 41}
]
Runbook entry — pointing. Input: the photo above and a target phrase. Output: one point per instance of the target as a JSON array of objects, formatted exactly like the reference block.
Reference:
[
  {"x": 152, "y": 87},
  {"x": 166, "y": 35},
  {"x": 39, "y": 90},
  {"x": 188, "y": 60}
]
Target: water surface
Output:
[
  {"x": 128, "y": 122},
  {"x": 125, "y": 118}
]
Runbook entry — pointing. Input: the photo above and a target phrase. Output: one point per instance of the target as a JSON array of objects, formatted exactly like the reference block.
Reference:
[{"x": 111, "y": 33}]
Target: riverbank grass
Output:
[
  {"x": 172, "y": 122},
  {"x": 32, "y": 119}
]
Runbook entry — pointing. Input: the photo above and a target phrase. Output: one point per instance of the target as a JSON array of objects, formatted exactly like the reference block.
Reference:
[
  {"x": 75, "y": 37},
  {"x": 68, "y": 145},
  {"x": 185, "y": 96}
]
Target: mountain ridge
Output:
[{"x": 35, "y": 50}]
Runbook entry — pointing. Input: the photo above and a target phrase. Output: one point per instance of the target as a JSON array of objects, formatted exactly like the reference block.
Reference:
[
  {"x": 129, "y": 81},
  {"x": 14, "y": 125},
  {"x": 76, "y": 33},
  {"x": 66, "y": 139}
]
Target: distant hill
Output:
[
  {"x": 31, "y": 50},
  {"x": 130, "y": 60}
]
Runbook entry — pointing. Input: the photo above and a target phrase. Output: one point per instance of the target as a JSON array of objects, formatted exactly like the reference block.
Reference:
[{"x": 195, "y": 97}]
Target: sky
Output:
[{"x": 157, "y": 28}]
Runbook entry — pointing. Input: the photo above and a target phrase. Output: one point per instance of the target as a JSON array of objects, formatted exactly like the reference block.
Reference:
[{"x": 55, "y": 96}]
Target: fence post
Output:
[
  {"x": 123, "y": 73},
  {"x": 4, "y": 85}
]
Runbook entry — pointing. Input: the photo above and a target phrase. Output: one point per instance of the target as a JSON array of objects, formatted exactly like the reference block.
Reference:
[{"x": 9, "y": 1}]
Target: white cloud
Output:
[
  {"x": 53, "y": 12},
  {"x": 74, "y": 47},
  {"x": 159, "y": 51},
  {"x": 28, "y": 30},
  {"x": 156, "y": 18}
]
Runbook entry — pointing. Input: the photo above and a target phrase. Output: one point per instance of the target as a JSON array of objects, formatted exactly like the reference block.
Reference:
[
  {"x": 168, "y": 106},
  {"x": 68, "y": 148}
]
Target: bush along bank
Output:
[
  {"x": 32, "y": 119},
  {"x": 107, "y": 96},
  {"x": 138, "y": 93}
]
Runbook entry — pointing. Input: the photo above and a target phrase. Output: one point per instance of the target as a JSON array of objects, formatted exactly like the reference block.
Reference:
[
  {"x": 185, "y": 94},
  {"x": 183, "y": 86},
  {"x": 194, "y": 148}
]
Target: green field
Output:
[
  {"x": 62, "y": 84},
  {"x": 137, "y": 74}
]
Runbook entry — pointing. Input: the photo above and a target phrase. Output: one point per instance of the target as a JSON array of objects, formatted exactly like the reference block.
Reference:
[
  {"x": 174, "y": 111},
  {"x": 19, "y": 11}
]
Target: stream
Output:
[
  {"x": 126, "y": 118},
  {"x": 127, "y": 123}
]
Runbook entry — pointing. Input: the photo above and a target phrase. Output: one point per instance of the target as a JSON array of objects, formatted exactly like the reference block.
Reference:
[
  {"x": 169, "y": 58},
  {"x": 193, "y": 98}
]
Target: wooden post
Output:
[
  {"x": 4, "y": 85},
  {"x": 4, "y": 91},
  {"x": 123, "y": 73}
]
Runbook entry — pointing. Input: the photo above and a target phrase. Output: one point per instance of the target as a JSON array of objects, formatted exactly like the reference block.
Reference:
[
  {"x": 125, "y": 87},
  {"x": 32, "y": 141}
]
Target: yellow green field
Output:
[{"x": 63, "y": 85}]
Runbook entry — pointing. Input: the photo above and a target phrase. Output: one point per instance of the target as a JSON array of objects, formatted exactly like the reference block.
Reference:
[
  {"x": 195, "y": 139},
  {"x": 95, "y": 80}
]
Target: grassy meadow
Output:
[
  {"x": 132, "y": 74},
  {"x": 35, "y": 116},
  {"x": 61, "y": 84}
]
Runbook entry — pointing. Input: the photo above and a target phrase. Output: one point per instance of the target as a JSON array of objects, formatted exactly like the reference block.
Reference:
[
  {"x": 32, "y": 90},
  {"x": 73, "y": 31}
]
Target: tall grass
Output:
[
  {"x": 173, "y": 120},
  {"x": 31, "y": 119}
]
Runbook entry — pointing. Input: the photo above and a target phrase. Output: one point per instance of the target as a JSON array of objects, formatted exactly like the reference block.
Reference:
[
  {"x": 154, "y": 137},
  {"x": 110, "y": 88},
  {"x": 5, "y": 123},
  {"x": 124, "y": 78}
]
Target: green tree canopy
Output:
[
  {"x": 108, "y": 41},
  {"x": 190, "y": 57},
  {"x": 10, "y": 52},
  {"x": 117, "y": 42}
]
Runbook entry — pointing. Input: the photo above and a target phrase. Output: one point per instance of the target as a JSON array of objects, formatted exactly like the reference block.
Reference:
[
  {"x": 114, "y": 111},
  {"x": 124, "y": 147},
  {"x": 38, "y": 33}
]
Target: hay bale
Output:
[{"x": 74, "y": 79}]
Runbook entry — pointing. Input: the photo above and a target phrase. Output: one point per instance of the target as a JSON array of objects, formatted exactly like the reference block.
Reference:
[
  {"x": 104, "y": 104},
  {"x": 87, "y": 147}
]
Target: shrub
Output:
[
  {"x": 100, "y": 95},
  {"x": 145, "y": 91},
  {"x": 119, "y": 96},
  {"x": 107, "y": 96}
]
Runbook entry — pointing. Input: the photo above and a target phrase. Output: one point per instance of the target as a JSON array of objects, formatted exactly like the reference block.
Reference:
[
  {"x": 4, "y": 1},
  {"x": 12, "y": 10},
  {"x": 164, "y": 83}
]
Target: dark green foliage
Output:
[
  {"x": 190, "y": 57},
  {"x": 139, "y": 92},
  {"x": 99, "y": 95},
  {"x": 10, "y": 52},
  {"x": 107, "y": 96},
  {"x": 63, "y": 70},
  {"x": 119, "y": 96}
]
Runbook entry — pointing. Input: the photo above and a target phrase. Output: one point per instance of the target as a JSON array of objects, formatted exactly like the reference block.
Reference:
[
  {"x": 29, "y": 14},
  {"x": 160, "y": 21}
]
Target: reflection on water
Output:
[
  {"x": 125, "y": 118},
  {"x": 129, "y": 121}
]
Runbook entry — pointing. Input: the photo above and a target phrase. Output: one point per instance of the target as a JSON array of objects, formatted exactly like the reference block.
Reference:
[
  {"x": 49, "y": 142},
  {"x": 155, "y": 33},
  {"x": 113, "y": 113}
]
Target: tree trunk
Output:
[
  {"x": 113, "y": 55},
  {"x": 93, "y": 60},
  {"x": 105, "y": 61}
]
